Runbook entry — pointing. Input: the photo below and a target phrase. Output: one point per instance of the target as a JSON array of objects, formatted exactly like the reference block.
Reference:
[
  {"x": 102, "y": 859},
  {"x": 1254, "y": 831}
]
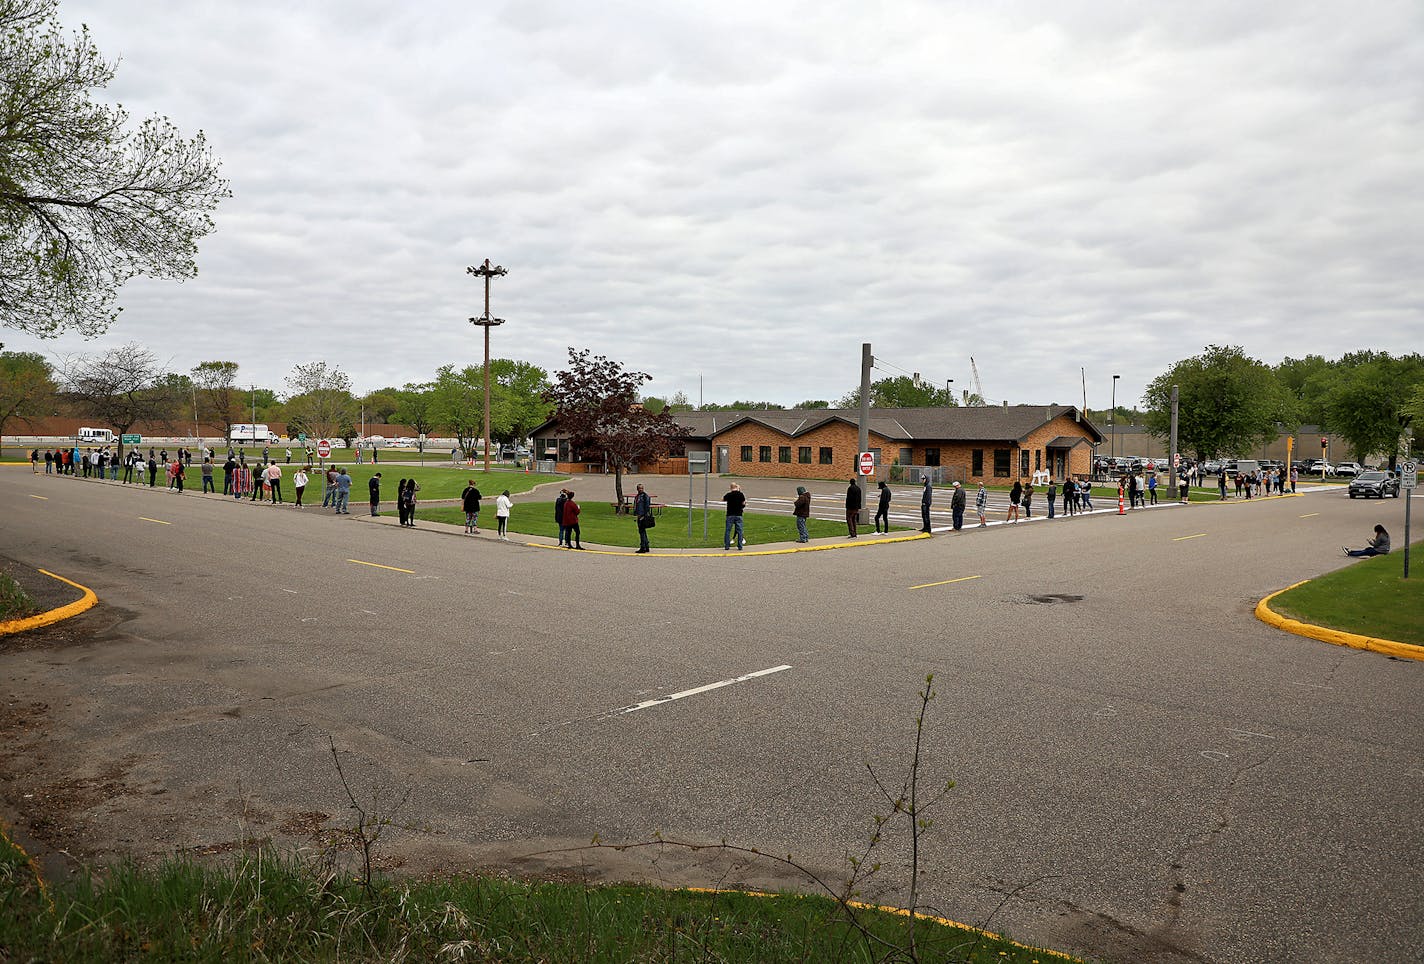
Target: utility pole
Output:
[
  {"x": 1172, "y": 462},
  {"x": 487, "y": 271},
  {"x": 866, "y": 361},
  {"x": 1112, "y": 423}
]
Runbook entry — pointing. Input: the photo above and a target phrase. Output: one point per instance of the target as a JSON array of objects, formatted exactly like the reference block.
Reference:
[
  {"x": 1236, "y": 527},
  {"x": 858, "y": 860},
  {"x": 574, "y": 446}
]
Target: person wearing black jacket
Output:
[
  {"x": 470, "y": 501},
  {"x": 956, "y": 506},
  {"x": 559, "y": 516},
  {"x": 854, "y": 500},
  {"x": 643, "y": 512},
  {"x": 882, "y": 508},
  {"x": 375, "y": 486}
]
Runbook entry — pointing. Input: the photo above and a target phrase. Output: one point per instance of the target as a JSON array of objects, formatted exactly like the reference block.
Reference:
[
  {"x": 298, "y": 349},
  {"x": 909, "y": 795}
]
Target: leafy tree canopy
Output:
[
  {"x": 1227, "y": 403},
  {"x": 1369, "y": 401},
  {"x": 26, "y": 386},
  {"x": 85, "y": 202}
]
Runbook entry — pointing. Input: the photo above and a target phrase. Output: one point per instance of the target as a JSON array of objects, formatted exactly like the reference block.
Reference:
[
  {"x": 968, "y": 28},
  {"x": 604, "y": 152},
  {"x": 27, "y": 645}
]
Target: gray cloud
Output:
[{"x": 749, "y": 191}]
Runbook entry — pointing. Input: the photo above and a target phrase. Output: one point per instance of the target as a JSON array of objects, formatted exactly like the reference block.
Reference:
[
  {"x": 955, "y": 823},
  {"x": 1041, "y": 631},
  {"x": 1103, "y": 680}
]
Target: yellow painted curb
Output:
[
  {"x": 901, "y": 912},
  {"x": 54, "y": 615},
  {"x": 742, "y": 553},
  {"x": 1338, "y": 637},
  {"x": 32, "y": 863}
]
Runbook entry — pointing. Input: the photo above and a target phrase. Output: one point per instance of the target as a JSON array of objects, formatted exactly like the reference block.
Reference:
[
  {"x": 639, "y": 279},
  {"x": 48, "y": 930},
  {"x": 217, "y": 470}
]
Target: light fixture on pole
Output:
[
  {"x": 487, "y": 271},
  {"x": 949, "y": 392},
  {"x": 1112, "y": 423}
]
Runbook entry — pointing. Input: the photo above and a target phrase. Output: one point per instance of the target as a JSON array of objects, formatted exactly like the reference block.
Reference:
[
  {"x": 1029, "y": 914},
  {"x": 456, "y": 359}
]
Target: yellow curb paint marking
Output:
[
  {"x": 1338, "y": 637},
  {"x": 1309, "y": 514},
  {"x": 42, "y": 498},
  {"x": 159, "y": 521},
  {"x": 944, "y": 583},
  {"x": 377, "y": 565},
  {"x": 1184, "y": 538},
  {"x": 54, "y": 615}
]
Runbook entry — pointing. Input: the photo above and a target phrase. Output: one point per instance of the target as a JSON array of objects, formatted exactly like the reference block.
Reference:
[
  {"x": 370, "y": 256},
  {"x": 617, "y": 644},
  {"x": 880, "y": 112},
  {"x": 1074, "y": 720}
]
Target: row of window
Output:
[
  {"x": 1003, "y": 458},
  {"x": 783, "y": 454}
]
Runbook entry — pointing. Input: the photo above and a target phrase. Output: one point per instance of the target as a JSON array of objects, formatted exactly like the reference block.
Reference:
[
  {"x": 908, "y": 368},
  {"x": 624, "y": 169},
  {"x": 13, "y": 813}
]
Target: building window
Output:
[
  {"x": 783, "y": 454},
  {"x": 827, "y": 455},
  {"x": 1001, "y": 463},
  {"x": 1023, "y": 461},
  {"x": 1037, "y": 459},
  {"x": 803, "y": 454},
  {"x": 977, "y": 460},
  {"x": 564, "y": 450},
  {"x": 907, "y": 456},
  {"x": 746, "y": 453},
  {"x": 932, "y": 456},
  {"x": 764, "y": 453}
]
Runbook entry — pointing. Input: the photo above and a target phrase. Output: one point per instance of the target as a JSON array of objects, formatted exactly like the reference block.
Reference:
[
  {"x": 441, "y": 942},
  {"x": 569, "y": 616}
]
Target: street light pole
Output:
[
  {"x": 1112, "y": 424},
  {"x": 487, "y": 271}
]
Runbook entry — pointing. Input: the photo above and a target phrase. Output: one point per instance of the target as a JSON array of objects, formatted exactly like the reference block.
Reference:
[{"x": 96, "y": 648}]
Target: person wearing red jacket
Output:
[{"x": 571, "y": 523}]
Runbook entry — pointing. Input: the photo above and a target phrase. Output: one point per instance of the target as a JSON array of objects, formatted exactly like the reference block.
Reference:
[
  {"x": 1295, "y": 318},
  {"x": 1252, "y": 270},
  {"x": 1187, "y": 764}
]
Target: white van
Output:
[
  {"x": 1247, "y": 466},
  {"x": 97, "y": 436}
]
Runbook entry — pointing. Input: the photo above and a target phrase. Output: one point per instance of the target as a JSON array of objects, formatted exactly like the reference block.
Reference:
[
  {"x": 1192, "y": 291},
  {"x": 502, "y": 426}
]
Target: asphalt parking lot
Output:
[{"x": 1166, "y": 778}]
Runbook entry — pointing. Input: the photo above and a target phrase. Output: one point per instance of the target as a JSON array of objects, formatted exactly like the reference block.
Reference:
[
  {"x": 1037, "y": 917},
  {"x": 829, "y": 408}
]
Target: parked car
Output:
[
  {"x": 1349, "y": 468},
  {"x": 1377, "y": 484},
  {"x": 1316, "y": 466}
]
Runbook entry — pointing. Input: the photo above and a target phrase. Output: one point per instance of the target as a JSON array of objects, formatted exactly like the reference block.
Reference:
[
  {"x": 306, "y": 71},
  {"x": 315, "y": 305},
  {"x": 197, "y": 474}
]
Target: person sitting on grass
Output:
[{"x": 1379, "y": 545}]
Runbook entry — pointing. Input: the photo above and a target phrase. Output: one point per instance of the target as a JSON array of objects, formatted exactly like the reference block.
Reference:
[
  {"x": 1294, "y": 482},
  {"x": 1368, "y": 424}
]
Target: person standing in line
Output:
[
  {"x": 152, "y": 471},
  {"x": 1294, "y": 477},
  {"x": 643, "y": 515},
  {"x": 1052, "y": 495},
  {"x": 1085, "y": 495},
  {"x": 299, "y": 482},
  {"x": 49, "y": 462},
  {"x": 129, "y": 466},
  {"x": 1015, "y": 494},
  {"x": 411, "y": 487},
  {"x": 882, "y": 508},
  {"x": 375, "y": 455},
  {"x": 1378, "y": 546},
  {"x": 1221, "y": 484},
  {"x": 1152, "y": 488},
  {"x": 400, "y": 500},
  {"x": 259, "y": 481},
  {"x": 571, "y": 523},
  {"x": 956, "y": 506},
  {"x": 228, "y": 468},
  {"x": 103, "y": 463},
  {"x": 981, "y": 505},
  {"x": 266, "y": 454},
  {"x": 114, "y": 467},
  {"x": 35, "y": 462},
  {"x": 736, "y": 502},
  {"x": 177, "y": 470},
  {"x": 855, "y": 498},
  {"x": 470, "y": 500},
  {"x": 559, "y": 516},
  {"x": 1183, "y": 487},
  {"x": 289, "y": 456},
  {"x": 207, "y": 470},
  {"x": 503, "y": 506},
  {"x": 801, "y": 510},
  {"x": 375, "y": 486},
  {"x": 1027, "y": 501},
  {"x": 343, "y": 492},
  {"x": 926, "y": 498},
  {"x": 328, "y": 496},
  {"x": 274, "y": 481}
]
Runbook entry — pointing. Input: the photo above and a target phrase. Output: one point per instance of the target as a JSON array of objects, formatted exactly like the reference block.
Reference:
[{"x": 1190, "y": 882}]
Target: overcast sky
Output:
[{"x": 748, "y": 191}]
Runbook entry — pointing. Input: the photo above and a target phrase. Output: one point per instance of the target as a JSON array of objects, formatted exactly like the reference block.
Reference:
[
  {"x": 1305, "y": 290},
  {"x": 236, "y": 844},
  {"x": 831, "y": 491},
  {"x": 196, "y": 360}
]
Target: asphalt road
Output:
[{"x": 1166, "y": 778}]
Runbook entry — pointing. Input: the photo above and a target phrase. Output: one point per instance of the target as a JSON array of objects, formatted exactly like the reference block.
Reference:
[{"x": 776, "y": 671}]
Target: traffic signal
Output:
[{"x": 1324, "y": 443}]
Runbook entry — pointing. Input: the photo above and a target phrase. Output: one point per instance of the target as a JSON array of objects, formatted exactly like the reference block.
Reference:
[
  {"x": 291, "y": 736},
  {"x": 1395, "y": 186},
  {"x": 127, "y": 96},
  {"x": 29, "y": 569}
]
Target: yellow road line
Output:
[
  {"x": 159, "y": 521},
  {"x": 944, "y": 583},
  {"x": 54, "y": 615},
  {"x": 1309, "y": 514},
  {"x": 42, "y": 498},
  {"x": 1184, "y": 538},
  {"x": 377, "y": 565}
]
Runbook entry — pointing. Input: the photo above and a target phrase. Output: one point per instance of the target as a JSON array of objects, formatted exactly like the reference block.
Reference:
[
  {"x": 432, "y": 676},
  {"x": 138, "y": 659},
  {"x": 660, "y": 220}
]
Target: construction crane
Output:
[{"x": 977, "y": 399}]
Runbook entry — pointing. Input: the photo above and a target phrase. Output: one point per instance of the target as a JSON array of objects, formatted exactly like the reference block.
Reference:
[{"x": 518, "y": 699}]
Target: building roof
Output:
[{"x": 989, "y": 422}]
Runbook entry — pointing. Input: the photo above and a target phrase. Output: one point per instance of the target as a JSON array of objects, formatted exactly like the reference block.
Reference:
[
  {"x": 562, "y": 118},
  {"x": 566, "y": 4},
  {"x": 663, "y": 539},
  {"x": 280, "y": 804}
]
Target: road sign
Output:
[
  {"x": 131, "y": 439},
  {"x": 1409, "y": 474},
  {"x": 302, "y": 437},
  {"x": 867, "y": 463},
  {"x": 323, "y": 448}
]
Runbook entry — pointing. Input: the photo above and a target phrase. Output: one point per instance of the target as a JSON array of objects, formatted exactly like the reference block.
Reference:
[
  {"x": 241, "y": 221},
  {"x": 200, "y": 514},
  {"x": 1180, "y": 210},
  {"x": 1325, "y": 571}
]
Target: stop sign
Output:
[
  {"x": 867, "y": 463},
  {"x": 323, "y": 448}
]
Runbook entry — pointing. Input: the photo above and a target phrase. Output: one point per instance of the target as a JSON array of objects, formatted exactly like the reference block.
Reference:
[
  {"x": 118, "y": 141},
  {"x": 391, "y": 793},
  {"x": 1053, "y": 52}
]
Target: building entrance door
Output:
[{"x": 724, "y": 458}]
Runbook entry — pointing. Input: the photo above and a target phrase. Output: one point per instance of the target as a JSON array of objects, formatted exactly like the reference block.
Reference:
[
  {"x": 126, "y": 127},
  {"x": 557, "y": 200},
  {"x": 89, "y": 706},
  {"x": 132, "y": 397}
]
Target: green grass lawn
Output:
[
  {"x": 599, "y": 526},
  {"x": 264, "y": 906},
  {"x": 15, "y": 603},
  {"x": 435, "y": 482},
  {"x": 1370, "y": 597}
]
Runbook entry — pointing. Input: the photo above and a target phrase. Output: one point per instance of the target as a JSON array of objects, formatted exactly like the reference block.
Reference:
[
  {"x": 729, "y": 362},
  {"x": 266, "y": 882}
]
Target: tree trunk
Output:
[{"x": 618, "y": 481}]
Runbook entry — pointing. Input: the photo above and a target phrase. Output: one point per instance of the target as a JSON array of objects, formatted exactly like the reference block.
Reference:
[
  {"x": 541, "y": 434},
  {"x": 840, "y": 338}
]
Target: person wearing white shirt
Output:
[{"x": 502, "y": 507}]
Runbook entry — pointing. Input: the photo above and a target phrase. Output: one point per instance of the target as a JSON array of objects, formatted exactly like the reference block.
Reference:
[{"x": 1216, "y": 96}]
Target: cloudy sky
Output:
[{"x": 746, "y": 192}]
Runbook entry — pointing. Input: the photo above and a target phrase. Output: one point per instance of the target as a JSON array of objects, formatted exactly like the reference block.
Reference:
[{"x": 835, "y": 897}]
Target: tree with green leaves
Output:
[
  {"x": 381, "y": 404},
  {"x": 416, "y": 409},
  {"x": 458, "y": 403},
  {"x": 320, "y": 402},
  {"x": 219, "y": 398},
  {"x": 901, "y": 391},
  {"x": 26, "y": 387},
  {"x": 1228, "y": 404},
  {"x": 596, "y": 401},
  {"x": 1306, "y": 380},
  {"x": 86, "y": 203},
  {"x": 1368, "y": 401}
]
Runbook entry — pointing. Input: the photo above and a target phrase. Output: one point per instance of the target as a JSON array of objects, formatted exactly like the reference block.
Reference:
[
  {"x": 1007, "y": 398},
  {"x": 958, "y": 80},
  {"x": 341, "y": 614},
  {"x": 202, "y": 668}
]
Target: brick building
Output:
[{"x": 992, "y": 443}]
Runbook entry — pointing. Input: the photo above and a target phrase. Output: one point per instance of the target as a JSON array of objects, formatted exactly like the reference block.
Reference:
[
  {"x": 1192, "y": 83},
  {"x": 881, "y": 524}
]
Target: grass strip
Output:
[
  {"x": 599, "y": 526},
  {"x": 15, "y": 603},
  {"x": 436, "y": 482},
  {"x": 1370, "y": 597},
  {"x": 266, "y": 906}
]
